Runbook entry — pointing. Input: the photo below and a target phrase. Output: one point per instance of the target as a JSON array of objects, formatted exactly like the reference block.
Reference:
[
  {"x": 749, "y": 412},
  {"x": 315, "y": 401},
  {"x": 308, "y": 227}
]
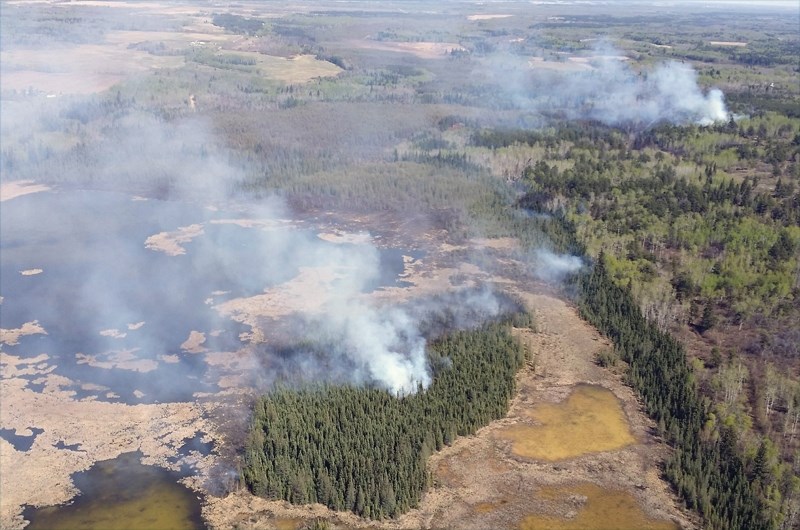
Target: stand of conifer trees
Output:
[
  {"x": 707, "y": 471},
  {"x": 365, "y": 450}
]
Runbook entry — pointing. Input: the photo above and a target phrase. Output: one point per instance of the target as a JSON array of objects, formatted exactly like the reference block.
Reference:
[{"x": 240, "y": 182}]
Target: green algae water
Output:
[{"x": 122, "y": 494}]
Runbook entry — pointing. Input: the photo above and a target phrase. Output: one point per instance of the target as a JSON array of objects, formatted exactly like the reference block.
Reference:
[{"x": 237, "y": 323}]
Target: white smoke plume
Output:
[
  {"x": 386, "y": 342},
  {"x": 609, "y": 90},
  {"x": 363, "y": 343},
  {"x": 615, "y": 94},
  {"x": 552, "y": 267}
]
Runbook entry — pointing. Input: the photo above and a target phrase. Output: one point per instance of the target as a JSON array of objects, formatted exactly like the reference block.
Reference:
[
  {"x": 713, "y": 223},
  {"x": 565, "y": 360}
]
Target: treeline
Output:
[
  {"x": 238, "y": 24},
  {"x": 585, "y": 134},
  {"x": 663, "y": 193},
  {"x": 212, "y": 58},
  {"x": 770, "y": 52},
  {"x": 708, "y": 472},
  {"x": 365, "y": 450}
]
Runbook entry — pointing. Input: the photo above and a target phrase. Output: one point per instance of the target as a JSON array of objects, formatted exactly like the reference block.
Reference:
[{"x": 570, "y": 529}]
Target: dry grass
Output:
[
  {"x": 41, "y": 475},
  {"x": 12, "y": 336},
  {"x": 423, "y": 50},
  {"x": 91, "y": 68},
  {"x": 171, "y": 243},
  {"x": 727, "y": 43},
  {"x": 478, "y": 481},
  {"x": 81, "y": 69},
  {"x": 194, "y": 344},
  {"x": 171, "y": 39},
  {"x": 487, "y": 17},
  {"x": 124, "y": 359},
  {"x": 559, "y": 66},
  {"x": 288, "y": 524},
  {"x": 299, "y": 69},
  {"x": 596, "y": 509}
]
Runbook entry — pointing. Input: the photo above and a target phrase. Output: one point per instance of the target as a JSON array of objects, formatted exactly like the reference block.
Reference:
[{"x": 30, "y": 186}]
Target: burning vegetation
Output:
[
  {"x": 285, "y": 250},
  {"x": 365, "y": 450}
]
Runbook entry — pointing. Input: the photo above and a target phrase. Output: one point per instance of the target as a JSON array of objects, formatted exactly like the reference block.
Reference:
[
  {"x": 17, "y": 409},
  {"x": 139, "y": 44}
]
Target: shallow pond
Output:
[
  {"x": 20, "y": 442},
  {"x": 123, "y": 494},
  {"x": 594, "y": 508},
  {"x": 590, "y": 420}
]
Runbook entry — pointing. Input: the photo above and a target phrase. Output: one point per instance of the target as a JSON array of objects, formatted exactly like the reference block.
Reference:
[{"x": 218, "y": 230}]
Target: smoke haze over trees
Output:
[
  {"x": 515, "y": 127},
  {"x": 364, "y": 450},
  {"x": 605, "y": 87}
]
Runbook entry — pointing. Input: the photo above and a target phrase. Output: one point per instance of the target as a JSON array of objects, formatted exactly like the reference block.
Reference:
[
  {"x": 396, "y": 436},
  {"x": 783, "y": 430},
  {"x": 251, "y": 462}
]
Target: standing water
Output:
[{"x": 123, "y": 494}]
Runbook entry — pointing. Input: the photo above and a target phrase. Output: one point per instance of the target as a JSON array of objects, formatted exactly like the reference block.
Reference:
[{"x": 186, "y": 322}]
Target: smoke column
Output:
[
  {"x": 552, "y": 267},
  {"x": 611, "y": 92},
  {"x": 614, "y": 94}
]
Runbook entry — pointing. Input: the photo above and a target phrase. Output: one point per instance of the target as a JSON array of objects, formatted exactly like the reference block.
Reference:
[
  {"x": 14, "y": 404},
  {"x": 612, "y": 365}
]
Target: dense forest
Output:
[
  {"x": 706, "y": 470},
  {"x": 364, "y": 449},
  {"x": 708, "y": 254}
]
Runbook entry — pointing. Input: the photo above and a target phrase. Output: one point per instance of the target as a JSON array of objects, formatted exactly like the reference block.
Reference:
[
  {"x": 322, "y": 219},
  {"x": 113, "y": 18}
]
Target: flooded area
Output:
[
  {"x": 123, "y": 494},
  {"x": 20, "y": 442},
  {"x": 115, "y": 338},
  {"x": 589, "y": 420},
  {"x": 113, "y": 310},
  {"x": 593, "y": 508}
]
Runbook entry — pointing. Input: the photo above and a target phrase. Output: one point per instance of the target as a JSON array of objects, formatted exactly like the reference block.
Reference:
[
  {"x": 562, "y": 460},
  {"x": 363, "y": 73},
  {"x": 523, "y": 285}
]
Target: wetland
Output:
[
  {"x": 123, "y": 494},
  {"x": 204, "y": 202},
  {"x": 589, "y": 420}
]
